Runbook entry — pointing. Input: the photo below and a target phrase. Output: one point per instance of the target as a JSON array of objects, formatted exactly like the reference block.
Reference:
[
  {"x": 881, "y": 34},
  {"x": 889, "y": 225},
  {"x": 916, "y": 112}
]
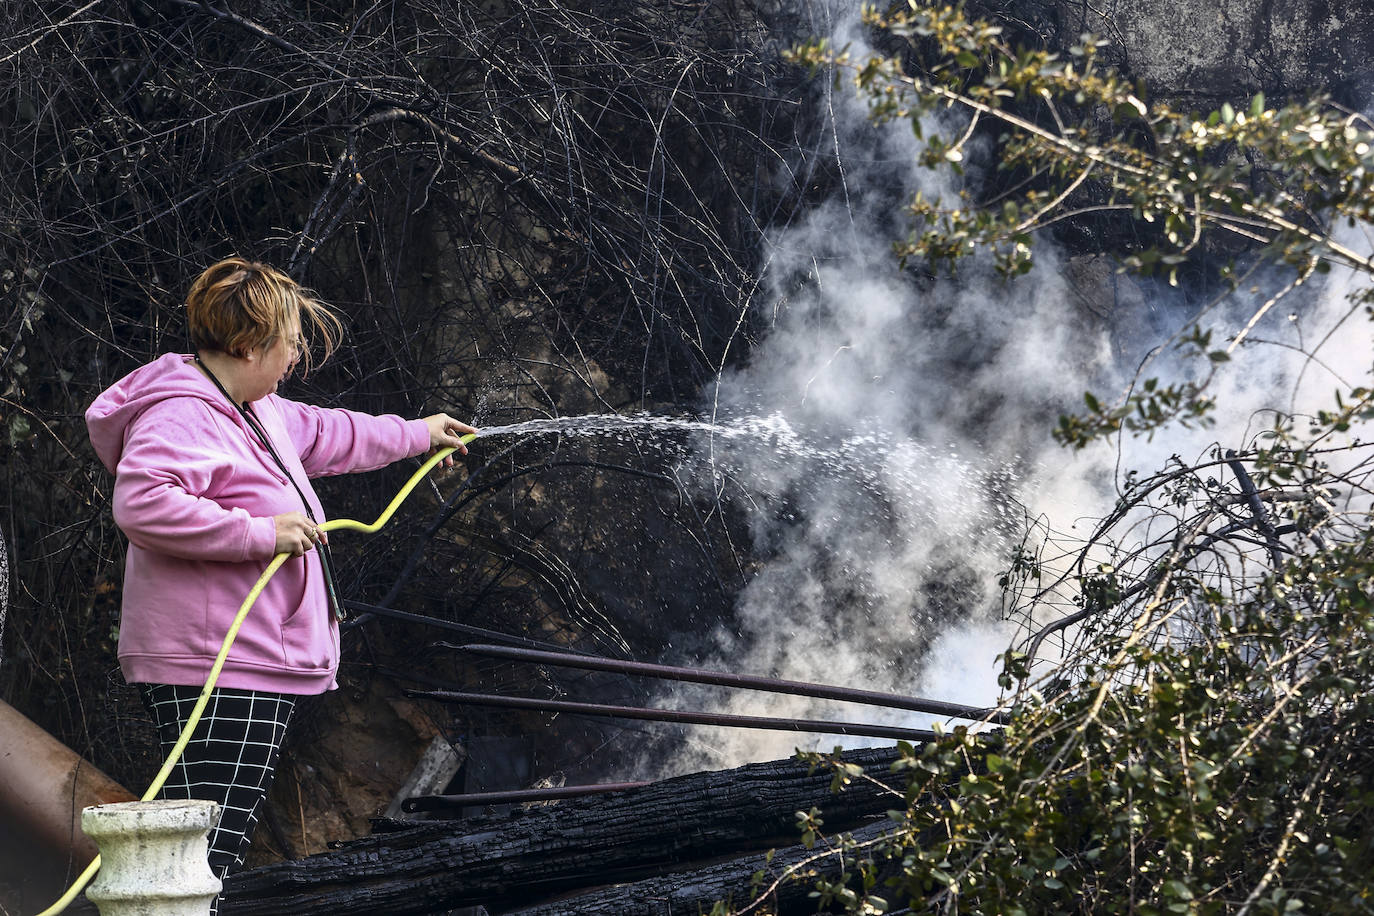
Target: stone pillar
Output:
[{"x": 153, "y": 858}]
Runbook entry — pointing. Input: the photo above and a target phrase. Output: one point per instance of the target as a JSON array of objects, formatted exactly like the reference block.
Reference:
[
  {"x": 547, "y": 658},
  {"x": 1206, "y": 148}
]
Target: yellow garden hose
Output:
[{"x": 333, "y": 524}]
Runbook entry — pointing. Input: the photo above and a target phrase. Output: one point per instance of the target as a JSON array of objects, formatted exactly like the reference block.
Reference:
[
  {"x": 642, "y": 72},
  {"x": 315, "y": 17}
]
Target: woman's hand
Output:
[
  {"x": 296, "y": 533},
  {"x": 445, "y": 432}
]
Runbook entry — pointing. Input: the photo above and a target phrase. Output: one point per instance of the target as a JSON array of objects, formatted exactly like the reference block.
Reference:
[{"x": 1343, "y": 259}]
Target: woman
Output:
[{"x": 212, "y": 473}]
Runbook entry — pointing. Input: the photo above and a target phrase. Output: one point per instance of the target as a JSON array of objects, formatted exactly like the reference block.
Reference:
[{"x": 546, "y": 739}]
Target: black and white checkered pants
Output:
[{"x": 229, "y": 760}]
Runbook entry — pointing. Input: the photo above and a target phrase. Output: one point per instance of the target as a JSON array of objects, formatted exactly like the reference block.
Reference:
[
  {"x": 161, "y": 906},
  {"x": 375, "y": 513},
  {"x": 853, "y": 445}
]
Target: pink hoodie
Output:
[{"x": 195, "y": 493}]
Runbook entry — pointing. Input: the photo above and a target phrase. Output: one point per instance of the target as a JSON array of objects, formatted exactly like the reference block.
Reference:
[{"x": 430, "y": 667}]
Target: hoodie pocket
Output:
[{"x": 306, "y": 640}]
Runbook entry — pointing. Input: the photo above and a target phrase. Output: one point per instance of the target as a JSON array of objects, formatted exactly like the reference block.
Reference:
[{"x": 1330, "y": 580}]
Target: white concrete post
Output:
[{"x": 153, "y": 857}]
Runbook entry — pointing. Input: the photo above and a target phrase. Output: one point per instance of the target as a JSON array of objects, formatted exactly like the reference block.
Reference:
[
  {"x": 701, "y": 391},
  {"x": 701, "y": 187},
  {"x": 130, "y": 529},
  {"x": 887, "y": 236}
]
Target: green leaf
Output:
[{"x": 1178, "y": 889}]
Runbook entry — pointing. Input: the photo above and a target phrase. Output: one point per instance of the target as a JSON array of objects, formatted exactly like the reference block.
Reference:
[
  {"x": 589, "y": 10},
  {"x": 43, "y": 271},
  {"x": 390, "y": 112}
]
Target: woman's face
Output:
[{"x": 273, "y": 362}]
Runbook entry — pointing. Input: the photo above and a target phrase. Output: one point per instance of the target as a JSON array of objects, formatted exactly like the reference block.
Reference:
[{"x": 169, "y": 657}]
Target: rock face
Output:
[{"x": 1203, "y": 52}]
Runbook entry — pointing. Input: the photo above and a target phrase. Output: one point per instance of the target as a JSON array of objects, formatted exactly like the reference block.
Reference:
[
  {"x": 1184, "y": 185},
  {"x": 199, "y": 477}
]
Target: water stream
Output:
[{"x": 759, "y": 452}]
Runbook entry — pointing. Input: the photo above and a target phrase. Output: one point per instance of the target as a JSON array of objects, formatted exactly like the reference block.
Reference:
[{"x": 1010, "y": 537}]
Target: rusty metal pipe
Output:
[
  {"x": 44, "y": 785},
  {"x": 723, "y": 679},
  {"x": 513, "y": 797},
  {"x": 678, "y": 716}
]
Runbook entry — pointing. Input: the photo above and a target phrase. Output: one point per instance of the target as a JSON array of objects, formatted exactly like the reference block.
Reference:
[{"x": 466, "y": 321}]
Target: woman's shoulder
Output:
[
  {"x": 183, "y": 415},
  {"x": 181, "y": 406}
]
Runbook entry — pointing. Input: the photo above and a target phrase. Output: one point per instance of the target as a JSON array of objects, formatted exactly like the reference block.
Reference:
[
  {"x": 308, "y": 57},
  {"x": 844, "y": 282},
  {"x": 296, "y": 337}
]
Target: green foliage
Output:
[{"x": 1261, "y": 174}]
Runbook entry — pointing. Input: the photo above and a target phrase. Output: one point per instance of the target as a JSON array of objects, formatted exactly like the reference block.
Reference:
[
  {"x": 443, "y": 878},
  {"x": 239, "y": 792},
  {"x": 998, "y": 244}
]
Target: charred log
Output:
[
  {"x": 696, "y": 890},
  {"x": 532, "y": 855}
]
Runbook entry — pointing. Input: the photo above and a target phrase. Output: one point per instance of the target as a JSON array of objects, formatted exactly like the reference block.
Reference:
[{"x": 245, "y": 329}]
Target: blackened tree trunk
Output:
[
  {"x": 696, "y": 890},
  {"x": 626, "y": 836}
]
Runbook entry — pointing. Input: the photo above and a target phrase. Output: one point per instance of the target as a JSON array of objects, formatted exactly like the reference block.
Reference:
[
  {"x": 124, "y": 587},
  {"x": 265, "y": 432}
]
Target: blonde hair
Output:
[{"x": 237, "y": 305}]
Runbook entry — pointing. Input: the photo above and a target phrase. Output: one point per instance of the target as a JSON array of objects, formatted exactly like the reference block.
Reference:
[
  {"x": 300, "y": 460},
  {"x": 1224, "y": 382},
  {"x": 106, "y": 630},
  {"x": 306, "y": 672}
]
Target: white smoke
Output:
[
  {"x": 922, "y": 404},
  {"x": 882, "y": 574}
]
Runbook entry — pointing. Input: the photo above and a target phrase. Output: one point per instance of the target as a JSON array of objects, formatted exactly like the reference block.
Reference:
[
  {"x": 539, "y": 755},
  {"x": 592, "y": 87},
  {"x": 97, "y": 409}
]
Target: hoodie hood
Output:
[{"x": 171, "y": 375}]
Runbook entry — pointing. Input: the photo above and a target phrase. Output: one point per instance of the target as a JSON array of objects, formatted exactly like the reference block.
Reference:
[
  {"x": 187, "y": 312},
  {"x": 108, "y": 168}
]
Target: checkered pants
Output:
[{"x": 229, "y": 759}]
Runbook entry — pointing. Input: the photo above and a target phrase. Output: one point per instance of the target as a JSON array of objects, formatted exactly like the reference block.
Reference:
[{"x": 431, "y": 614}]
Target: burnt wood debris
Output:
[
  {"x": 683, "y": 842},
  {"x": 670, "y": 846},
  {"x": 690, "y": 891}
]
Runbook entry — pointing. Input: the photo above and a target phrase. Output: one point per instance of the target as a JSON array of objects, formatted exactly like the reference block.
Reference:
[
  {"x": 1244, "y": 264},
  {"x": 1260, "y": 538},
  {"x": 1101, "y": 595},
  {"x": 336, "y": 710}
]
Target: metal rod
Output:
[
  {"x": 438, "y": 623},
  {"x": 677, "y": 715},
  {"x": 516, "y": 796},
  {"x": 719, "y": 678}
]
